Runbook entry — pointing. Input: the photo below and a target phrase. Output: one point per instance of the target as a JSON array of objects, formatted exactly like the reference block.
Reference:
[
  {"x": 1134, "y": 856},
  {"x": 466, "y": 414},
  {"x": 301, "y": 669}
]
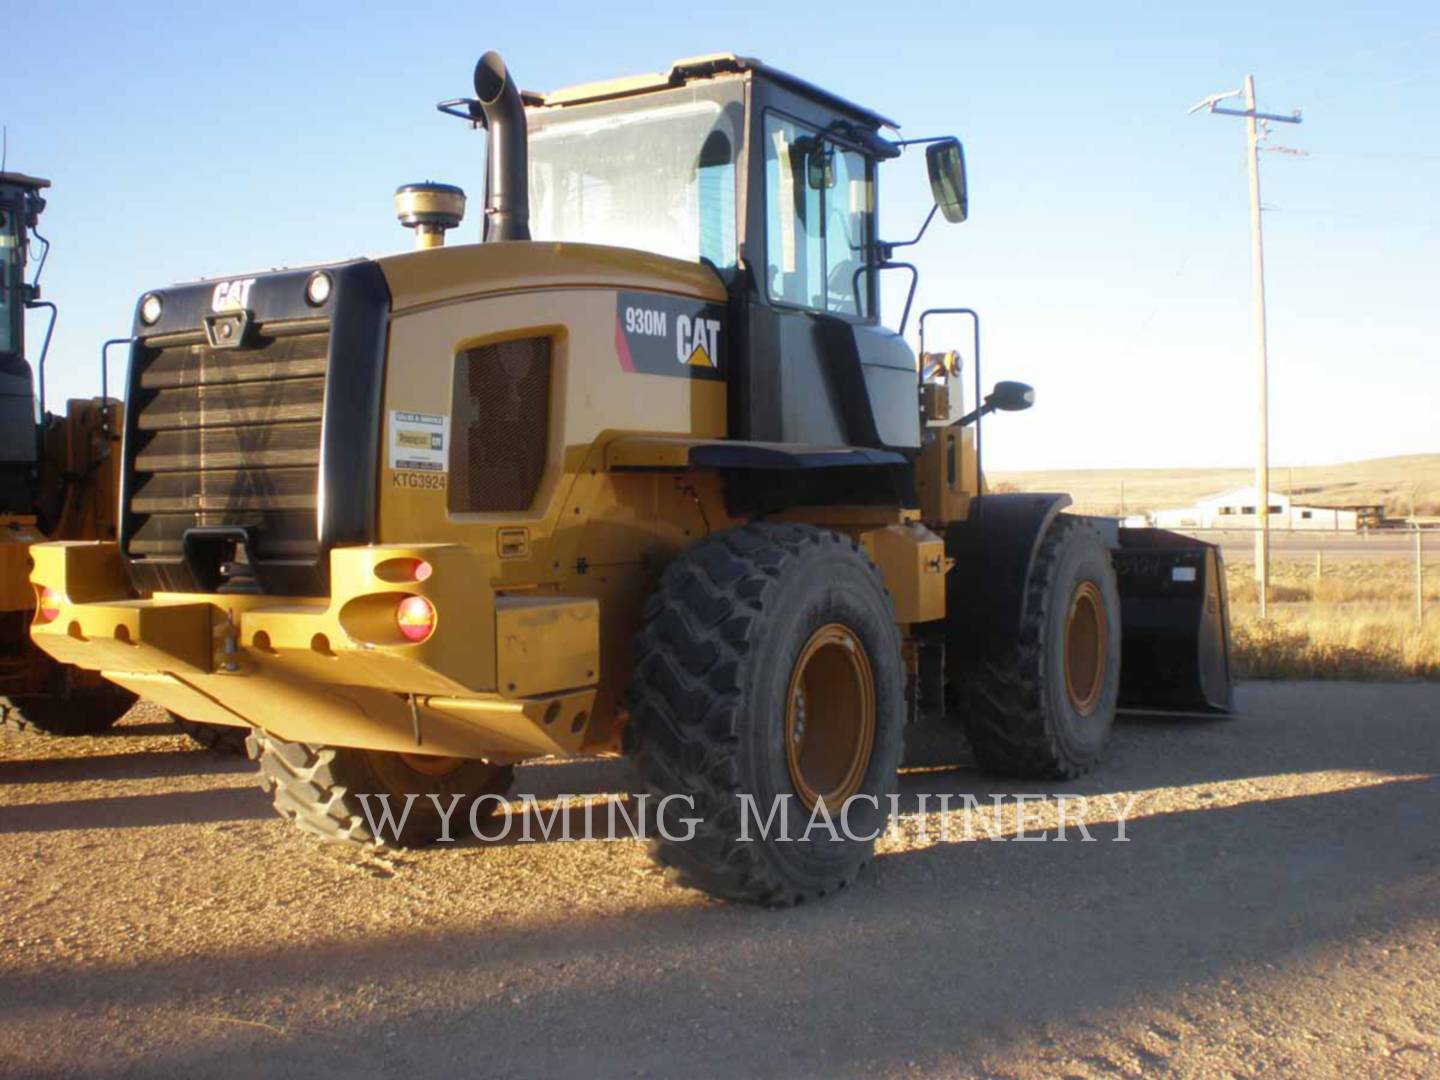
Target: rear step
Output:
[{"x": 1175, "y": 619}]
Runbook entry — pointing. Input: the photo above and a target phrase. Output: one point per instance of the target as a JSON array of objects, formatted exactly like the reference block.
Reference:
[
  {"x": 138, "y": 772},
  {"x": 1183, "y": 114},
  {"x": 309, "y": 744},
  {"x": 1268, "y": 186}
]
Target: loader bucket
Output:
[{"x": 1175, "y": 623}]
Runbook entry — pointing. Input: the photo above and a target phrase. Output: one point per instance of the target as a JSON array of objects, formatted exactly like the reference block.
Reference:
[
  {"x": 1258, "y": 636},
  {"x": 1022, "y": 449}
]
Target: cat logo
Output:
[
  {"x": 675, "y": 336},
  {"x": 697, "y": 341},
  {"x": 231, "y": 295}
]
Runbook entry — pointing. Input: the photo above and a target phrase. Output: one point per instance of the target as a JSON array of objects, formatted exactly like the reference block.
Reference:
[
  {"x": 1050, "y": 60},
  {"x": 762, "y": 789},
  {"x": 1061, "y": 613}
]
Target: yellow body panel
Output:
[
  {"x": 463, "y": 271},
  {"x": 945, "y": 474},
  {"x": 83, "y": 444},
  {"x": 16, "y": 536},
  {"x": 544, "y": 642},
  {"x": 912, "y": 560},
  {"x": 332, "y": 670}
]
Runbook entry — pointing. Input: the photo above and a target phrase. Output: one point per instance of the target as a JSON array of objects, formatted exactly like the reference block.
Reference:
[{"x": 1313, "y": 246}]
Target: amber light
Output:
[
  {"x": 416, "y": 618},
  {"x": 49, "y": 604}
]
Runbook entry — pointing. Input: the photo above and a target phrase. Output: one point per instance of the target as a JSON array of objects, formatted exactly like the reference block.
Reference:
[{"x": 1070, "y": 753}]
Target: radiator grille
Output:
[
  {"x": 230, "y": 437},
  {"x": 500, "y": 416}
]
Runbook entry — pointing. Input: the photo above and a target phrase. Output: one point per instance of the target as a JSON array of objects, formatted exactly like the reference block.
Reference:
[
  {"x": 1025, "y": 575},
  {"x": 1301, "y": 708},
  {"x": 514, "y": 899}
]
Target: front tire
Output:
[
  {"x": 1044, "y": 707},
  {"x": 319, "y": 788},
  {"x": 769, "y": 666}
]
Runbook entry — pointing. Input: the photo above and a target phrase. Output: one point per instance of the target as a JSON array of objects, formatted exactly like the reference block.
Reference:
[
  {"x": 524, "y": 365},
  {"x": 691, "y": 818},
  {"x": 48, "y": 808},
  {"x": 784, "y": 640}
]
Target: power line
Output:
[{"x": 1256, "y": 128}]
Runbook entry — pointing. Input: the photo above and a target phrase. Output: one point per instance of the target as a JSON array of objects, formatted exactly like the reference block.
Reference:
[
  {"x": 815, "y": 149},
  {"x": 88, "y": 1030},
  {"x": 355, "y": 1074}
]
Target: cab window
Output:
[
  {"x": 819, "y": 213},
  {"x": 654, "y": 172},
  {"x": 10, "y": 306}
]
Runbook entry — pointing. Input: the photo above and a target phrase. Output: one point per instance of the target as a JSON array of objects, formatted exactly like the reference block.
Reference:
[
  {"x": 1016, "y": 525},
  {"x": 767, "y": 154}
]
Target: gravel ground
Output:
[{"x": 1275, "y": 909}]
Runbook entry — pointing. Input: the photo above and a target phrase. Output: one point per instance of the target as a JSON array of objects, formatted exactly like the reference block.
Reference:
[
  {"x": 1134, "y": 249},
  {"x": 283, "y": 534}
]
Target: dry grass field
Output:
[
  {"x": 1356, "y": 621},
  {"x": 1391, "y": 482}
]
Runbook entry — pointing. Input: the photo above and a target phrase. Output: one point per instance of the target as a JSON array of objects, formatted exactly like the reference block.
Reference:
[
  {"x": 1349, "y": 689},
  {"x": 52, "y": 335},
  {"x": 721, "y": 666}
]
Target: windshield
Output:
[{"x": 655, "y": 172}]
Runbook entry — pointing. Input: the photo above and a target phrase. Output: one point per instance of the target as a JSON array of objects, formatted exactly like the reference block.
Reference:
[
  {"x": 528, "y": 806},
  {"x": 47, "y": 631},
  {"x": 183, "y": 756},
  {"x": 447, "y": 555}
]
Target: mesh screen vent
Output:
[{"x": 500, "y": 426}]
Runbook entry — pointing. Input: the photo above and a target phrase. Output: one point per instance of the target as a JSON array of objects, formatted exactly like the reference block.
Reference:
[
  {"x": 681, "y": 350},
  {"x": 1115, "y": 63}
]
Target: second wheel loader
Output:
[
  {"x": 642, "y": 473},
  {"x": 59, "y": 480}
]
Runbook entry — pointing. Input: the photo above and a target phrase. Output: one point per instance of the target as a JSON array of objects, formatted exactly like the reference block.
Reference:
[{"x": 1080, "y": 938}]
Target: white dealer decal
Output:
[{"x": 418, "y": 441}]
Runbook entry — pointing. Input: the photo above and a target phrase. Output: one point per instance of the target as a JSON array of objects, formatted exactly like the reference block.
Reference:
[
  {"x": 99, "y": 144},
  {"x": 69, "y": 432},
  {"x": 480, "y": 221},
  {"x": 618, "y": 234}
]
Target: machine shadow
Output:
[
  {"x": 144, "y": 765},
  {"x": 138, "y": 811}
]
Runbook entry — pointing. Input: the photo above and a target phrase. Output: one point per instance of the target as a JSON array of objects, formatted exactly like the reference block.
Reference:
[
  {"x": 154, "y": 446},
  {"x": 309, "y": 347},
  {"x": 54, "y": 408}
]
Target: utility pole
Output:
[
  {"x": 1419, "y": 578},
  {"x": 1254, "y": 130}
]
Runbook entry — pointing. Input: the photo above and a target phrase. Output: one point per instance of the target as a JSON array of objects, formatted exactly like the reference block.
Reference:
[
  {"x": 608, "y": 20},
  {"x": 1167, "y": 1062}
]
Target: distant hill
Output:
[{"x": 1390, "y": 482}]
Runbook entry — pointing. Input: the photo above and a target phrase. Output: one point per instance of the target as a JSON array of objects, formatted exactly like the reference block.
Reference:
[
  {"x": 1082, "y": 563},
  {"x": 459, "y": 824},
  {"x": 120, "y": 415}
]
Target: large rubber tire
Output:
[
  {"x": 69, "y": 707},
  {"x": 708, "y": 700},
  {"x": 221, "y": 738},
  {"x": 318, "y": 788},
  {"x": 1019, "y": 714}
]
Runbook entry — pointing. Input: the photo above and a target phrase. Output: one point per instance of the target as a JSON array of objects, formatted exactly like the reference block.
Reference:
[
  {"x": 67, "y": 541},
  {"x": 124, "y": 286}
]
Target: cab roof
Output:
[
  {"x": 21, "y": 180},
  {"x": 695, "y": 68}
]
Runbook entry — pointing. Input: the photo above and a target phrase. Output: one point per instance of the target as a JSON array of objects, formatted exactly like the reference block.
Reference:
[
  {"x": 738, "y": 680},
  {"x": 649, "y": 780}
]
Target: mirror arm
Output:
[
  {"x": 887, "y": 247},
  {"x": 974, "y": 414},
  {"x": 467, "y": 109},
  {"x": 921, "y": 142}
]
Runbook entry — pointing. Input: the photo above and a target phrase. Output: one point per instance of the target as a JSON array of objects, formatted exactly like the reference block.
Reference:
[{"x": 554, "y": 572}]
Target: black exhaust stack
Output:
[{"x": 507, "y": 165}]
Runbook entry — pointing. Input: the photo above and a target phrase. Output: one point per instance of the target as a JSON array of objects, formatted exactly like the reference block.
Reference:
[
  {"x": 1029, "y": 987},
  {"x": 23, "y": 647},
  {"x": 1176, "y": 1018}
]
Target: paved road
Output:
[
  {"x": 1275, "y": 911},
  {"x": 1302, "y": 546}
]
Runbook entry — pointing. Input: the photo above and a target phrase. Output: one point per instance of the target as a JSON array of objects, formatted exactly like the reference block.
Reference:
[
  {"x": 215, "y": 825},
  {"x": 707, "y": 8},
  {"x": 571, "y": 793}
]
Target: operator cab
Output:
[
  {"x": 660, "y": 163},
  {"x": 770, "y": 181}
]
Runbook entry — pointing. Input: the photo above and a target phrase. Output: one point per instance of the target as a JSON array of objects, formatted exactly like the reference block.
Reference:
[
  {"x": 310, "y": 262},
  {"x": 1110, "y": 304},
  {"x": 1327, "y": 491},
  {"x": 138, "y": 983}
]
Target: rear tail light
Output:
[
  {"x": 404, "y": 570},
  {"x": 49, "y": 606},
  {"x": 416, "y": 618}
]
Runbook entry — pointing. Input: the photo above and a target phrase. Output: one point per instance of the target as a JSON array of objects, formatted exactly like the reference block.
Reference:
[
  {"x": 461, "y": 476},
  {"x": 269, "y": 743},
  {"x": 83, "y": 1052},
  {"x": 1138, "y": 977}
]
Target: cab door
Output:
[{"x": 820, "y": 367}]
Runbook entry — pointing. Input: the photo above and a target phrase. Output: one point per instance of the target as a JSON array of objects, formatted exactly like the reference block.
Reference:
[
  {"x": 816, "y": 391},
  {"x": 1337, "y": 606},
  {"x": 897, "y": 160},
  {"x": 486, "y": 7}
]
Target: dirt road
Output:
[{"x": 1275, "y": 910}]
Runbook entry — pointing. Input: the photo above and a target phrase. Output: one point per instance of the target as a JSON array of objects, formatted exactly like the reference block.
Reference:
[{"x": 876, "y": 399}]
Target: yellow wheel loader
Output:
[{"x": 641, "y": 473}]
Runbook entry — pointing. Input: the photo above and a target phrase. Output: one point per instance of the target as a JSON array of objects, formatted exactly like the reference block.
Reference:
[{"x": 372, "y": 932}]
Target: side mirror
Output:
[
  {"x": 1006, "y": 397},
  {"x": 1010, "y": 396},
  {"x": 945, "y": 161},
  {"x": 819, "y": 159}
]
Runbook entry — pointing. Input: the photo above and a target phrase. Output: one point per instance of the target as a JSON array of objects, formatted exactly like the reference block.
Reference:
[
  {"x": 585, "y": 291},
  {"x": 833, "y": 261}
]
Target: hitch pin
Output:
[{"x": 231, "y": 648}]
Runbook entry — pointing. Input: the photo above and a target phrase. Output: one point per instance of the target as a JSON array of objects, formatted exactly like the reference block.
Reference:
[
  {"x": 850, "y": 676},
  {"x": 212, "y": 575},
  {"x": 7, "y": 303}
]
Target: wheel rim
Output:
[
  {"x": 830, "y": 717},
  {"x": 1086, "y": 640},
  {"x": 431, "y": 764}
]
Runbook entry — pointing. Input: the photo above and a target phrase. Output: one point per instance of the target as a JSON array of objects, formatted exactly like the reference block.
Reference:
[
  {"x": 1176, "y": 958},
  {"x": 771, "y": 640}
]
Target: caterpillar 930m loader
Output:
[{"x": 641, "y": 473}]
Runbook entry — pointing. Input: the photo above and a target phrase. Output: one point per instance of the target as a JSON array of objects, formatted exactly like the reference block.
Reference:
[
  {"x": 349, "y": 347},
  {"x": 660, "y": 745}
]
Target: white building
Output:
[{"x": 1237, "y": 509}]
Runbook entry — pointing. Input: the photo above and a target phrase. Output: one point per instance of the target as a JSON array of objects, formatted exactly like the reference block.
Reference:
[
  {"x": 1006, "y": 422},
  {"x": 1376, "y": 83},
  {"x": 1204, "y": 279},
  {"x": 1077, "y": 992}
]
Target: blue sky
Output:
[{"x": 1108, "y": 247}]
